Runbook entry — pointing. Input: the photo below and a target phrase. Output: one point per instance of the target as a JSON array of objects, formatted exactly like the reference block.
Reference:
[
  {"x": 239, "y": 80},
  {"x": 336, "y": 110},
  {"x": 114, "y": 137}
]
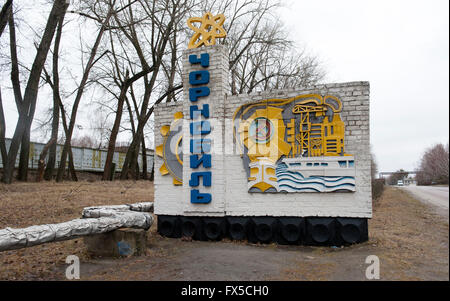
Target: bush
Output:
[{"x": 377, "y": 189}]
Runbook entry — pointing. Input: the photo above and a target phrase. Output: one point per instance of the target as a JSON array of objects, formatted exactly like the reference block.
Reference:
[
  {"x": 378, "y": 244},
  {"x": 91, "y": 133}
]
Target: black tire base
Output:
[{"x": 317, "y": 231}]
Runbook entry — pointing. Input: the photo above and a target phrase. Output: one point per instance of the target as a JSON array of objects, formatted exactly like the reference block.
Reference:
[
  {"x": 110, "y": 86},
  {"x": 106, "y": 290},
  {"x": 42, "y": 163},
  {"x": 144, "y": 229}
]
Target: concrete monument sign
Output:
[{"x": 290, "y": 166}]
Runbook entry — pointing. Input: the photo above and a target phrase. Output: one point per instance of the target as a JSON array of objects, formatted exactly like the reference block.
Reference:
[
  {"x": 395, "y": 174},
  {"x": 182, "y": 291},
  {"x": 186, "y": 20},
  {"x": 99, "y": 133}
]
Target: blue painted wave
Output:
[{"x": 294, "y": 181}]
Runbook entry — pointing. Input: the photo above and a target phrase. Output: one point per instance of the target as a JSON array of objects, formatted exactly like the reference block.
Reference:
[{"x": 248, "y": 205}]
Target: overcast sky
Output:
[{"x": 402, "y": 49}]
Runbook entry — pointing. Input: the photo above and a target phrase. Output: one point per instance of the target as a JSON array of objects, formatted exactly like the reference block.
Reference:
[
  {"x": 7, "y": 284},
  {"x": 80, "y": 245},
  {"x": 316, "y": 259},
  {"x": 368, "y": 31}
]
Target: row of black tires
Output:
[{"x": 322, "y": 231}]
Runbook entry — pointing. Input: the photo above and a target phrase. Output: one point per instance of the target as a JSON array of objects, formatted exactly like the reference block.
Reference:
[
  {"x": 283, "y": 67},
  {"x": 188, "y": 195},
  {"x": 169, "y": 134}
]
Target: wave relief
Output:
[{"x": 294, "y": 181}]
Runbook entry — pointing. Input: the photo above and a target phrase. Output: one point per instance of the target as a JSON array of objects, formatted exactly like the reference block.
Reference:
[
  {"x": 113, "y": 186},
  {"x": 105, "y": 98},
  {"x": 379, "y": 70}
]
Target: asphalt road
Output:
[{"x": 435, "y": 195}]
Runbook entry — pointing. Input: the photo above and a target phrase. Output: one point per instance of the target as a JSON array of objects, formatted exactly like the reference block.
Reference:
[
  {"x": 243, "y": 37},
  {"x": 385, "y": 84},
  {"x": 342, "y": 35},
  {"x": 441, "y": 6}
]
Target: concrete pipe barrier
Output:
[{"x": 96, "y": 220}]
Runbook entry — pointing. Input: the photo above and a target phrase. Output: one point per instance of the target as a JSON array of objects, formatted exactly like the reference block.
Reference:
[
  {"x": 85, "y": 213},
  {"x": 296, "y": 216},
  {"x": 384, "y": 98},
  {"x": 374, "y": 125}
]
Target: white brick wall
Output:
[
  {"x": 167, "y": 196},
  {"x": 229, "y": 187}
]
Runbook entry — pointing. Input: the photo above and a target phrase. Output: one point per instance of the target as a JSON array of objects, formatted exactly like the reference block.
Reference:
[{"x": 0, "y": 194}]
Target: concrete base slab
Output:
[{"x": 119, "y": 243}]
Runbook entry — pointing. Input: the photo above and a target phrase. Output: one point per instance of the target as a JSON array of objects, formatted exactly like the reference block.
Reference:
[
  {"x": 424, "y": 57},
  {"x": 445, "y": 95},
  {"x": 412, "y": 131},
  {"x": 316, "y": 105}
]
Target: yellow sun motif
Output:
[
  {"x": 210, "y": 28},
  {"x": 173, "y": 159},
  {"x": 263, "y": 135}
]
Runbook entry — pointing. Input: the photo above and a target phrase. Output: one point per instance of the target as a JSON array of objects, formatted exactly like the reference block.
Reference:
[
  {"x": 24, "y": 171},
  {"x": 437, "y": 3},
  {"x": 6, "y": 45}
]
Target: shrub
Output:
[{"x": 377, "y": 190}]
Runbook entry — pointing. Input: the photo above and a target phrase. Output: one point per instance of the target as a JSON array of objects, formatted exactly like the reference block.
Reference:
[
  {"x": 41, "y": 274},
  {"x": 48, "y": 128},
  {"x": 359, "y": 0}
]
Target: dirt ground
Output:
[
  {"x": 27, "y": 204},
  {"x": 409, "y": 238}
]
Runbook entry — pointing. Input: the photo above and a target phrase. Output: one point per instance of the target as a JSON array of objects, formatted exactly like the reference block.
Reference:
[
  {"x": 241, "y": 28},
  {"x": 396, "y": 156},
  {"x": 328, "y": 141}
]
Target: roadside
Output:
[{"x": 437, "y": 196}]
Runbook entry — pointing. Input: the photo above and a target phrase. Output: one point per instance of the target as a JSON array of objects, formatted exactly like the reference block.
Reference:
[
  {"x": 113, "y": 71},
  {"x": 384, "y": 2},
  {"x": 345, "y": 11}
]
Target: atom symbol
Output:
[{"x": 210, "y": 29}]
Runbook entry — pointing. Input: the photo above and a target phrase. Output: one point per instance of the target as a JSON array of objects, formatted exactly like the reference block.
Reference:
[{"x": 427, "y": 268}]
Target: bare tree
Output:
[
  {"x": 56, "y": 97},
  {"x": 139, "y": 66},
  {"x": 262, "y": 56},
  {"x": 434, "y": 166},
  {"x": 91, "y": 62},
  {"x": 124, "y": 84},
  {"x": 162, "y": 16},
  {"x": 27, "y": 104}
]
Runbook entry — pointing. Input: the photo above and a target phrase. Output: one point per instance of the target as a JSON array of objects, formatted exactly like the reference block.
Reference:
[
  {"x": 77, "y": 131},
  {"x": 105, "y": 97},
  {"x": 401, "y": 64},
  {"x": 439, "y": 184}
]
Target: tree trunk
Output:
[
  {"x": 144, "y": 160},
  {"x": 128, "y": 166},
  {"x": 55, "y": 118},
  {"x": 152, "y": 174},
  {"x": 8, "y": 166},
  {"x": 52, "y": 152},
  {"x": 113, "y": 136},
  {"x": 64, "y": 122},
  {"x": 31, "y": 91},
  {"x": 80, "y": 91},
  {"x": 3, "y": 152},
  {"x": 173, "y": 66},
  {"x": 4, "y": 15},
  {"x": 72, "y": 166},
  {"x": 22, "y": 174},
  {"x": 137, "y": 174},
  {"x": 41, "y": 163},
  {"x": 134, "y": 165}
]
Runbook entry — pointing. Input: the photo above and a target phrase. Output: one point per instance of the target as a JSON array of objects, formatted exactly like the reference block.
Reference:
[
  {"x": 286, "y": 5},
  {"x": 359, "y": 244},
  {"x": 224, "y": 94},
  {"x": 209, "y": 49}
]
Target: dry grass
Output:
[
  {"x": 27, "y": 204},
  {"x": 409, "y": 237}
]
